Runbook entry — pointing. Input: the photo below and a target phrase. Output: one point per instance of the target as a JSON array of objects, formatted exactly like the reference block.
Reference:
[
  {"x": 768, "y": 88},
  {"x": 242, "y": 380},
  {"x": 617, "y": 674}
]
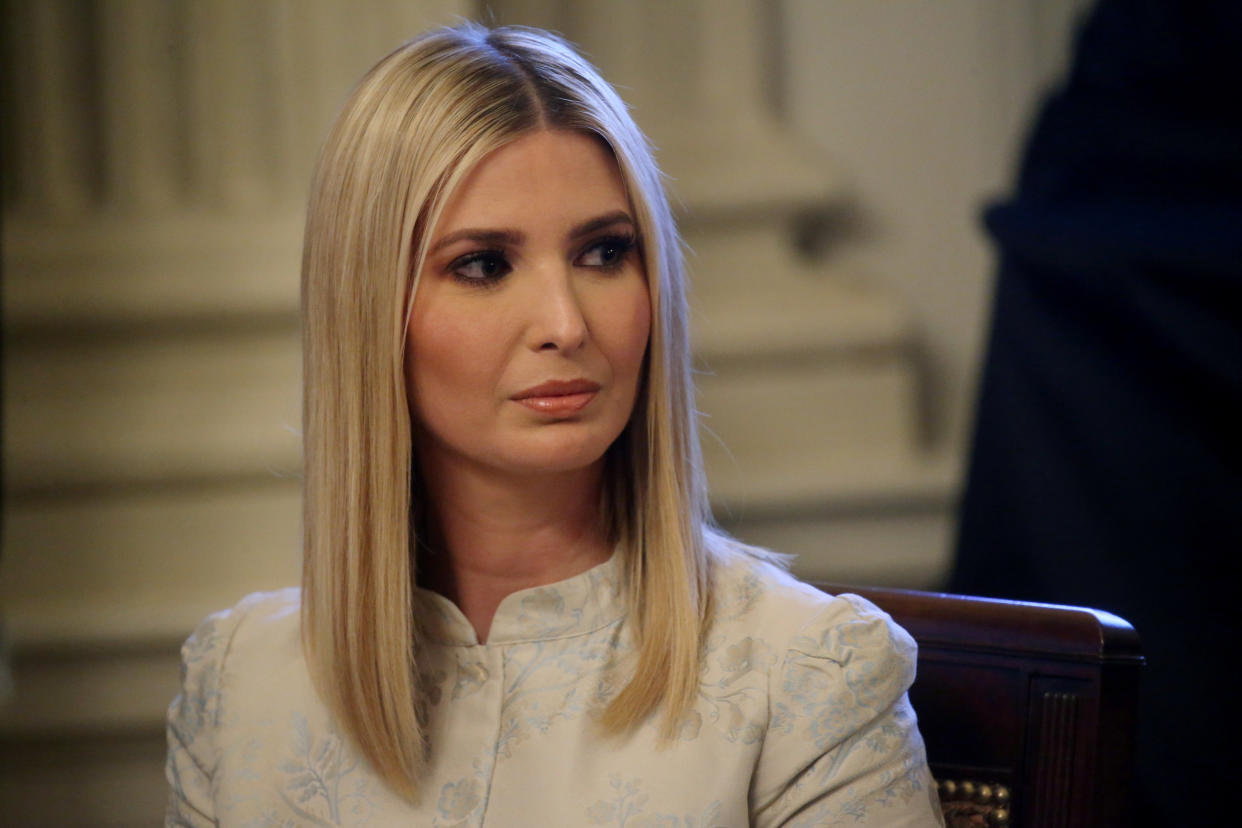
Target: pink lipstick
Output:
[{"x": 558, "y": 398}]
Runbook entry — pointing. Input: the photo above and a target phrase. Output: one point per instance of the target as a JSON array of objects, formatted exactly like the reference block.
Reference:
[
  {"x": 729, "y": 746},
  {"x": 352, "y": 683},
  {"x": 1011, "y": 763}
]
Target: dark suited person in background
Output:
[{"x": 1107, "y": 459}]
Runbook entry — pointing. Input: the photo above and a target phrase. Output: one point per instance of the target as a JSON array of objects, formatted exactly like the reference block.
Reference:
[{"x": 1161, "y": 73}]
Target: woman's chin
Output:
[
  {"x": 555, "y": 464},
  {"x": 566, "y": 457}
]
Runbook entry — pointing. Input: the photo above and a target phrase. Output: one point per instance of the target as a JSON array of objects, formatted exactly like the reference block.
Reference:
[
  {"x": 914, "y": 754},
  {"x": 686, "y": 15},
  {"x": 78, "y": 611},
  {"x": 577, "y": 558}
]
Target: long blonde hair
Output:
[{"x": 408, "y": 134}]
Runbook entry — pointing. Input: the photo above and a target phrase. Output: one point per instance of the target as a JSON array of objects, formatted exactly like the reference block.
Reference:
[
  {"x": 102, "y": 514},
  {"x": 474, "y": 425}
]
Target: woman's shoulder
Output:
[
  {"x": 235, "y": 660},
  {"x": 259, "y": 632},
  {"x": 756, "y": 595},
  {"x": 267, "y": 611},
  {"x": 840, "y": 742},
  {"x": 245, "y": 689}
]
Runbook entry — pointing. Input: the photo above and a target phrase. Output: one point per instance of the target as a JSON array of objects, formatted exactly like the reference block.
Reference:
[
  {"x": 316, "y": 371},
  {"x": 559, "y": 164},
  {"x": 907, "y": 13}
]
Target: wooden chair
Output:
[{"x": 1028, "y": 710}]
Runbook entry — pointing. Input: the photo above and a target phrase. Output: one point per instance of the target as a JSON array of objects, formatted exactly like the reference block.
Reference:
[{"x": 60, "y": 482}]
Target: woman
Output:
[{"x": 515, "y": 609}]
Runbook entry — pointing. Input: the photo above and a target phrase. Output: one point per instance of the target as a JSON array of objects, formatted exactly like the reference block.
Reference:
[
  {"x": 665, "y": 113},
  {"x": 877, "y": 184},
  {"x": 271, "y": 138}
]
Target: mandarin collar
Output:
[{"x": 575, "y": 606}]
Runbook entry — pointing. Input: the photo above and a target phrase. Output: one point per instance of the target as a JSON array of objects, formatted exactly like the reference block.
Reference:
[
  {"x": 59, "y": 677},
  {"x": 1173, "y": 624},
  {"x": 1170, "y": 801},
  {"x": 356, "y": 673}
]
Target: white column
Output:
[
  {"x": 52, "y": 128},
  {"x": 318, "y": 52},
  {"x": 230, "y": 90},
  {"x": 144, "y": 163},
  {"x": 731, "y": 69}
]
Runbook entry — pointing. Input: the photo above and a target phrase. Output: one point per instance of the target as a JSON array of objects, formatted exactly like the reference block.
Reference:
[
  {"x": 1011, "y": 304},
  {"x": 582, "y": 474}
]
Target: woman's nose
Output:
[{"x": 558, "y": 322}]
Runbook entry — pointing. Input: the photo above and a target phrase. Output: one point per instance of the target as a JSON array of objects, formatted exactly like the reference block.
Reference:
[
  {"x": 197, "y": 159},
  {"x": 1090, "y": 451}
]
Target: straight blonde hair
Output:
[{"x": 408, "y": 134}]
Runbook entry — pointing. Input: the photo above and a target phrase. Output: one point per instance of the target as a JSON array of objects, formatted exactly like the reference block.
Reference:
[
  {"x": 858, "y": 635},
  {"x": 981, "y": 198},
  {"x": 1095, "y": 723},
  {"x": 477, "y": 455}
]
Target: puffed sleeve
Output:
[
  {"x": 843, "y": 745},
  {"x": 192, "y": 719}
]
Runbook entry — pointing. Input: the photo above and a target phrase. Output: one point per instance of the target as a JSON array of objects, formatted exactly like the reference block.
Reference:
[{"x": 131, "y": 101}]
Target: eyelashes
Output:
[
  {"x": 480, "y": 268},
  {"x": 487, "y": 268},
  {"x": 608, "y": 253}
]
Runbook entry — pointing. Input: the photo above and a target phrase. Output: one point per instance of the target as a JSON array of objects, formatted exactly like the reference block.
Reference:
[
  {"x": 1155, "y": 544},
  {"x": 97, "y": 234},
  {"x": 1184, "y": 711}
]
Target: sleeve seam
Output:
[{"x": 239, "y": 615}]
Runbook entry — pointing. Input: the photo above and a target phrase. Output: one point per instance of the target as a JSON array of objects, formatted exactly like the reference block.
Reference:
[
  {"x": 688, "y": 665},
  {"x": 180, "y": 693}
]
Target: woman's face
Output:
[{"x": 531, "y": 318}]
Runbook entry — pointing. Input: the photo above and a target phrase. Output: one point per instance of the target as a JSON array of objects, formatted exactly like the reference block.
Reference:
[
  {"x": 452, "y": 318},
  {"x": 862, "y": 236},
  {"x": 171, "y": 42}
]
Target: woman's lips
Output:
[{"x": 557, "y": 397}]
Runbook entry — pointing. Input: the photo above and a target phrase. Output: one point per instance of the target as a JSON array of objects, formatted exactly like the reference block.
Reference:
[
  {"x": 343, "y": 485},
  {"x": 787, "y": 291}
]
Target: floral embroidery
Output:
[
  {"x": 854, "y": 805},
  {"x": 432, "y": 681},
  {"x": 746, "y": 655},
  {"x": 689, "y": 726},
  {"x": 471, "y": 676},
  {"x": 199, "y": 678},
  {"x": 542, "y": 603},
  {"x": 553, "y": 681},
  {"x": 736, "y": 597},
  {"x": 625, "y": 810},
  {"x": 733, "y": 690},
  {"x": 316, "y": 786},
  {"x": 458, "y": 799},
  {"x": 461, "y": 802}
]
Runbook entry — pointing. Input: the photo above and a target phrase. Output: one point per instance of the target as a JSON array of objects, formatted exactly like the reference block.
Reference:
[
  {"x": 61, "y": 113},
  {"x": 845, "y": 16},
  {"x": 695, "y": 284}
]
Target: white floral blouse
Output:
[{"x": 802, "y": 719}]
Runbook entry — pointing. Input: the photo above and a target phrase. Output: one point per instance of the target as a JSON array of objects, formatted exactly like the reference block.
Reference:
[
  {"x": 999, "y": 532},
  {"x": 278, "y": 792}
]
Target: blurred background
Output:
[{"x": 828, "y": 160}]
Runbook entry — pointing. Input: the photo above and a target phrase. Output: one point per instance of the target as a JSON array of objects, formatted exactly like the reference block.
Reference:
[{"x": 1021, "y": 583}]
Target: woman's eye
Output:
[
  {"x": 606, "y": 253},
  {"x": 480, "y": 268}
]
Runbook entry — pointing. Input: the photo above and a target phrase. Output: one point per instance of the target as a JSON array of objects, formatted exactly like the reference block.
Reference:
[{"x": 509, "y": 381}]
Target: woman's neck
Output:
[{"x": 491, "y": 535}]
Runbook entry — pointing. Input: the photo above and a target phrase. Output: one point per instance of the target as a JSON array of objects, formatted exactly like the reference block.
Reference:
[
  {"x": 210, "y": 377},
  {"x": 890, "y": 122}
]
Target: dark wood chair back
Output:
[{"x": 1027, "y": 710}]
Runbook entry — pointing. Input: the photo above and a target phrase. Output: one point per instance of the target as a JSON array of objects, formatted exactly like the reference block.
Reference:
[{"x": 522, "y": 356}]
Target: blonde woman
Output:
[{"x": 515, "y": 609}]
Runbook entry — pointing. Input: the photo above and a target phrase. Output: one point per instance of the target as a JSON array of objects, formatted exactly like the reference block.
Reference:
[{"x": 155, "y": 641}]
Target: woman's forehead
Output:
[{"x": 544, "y": 174}]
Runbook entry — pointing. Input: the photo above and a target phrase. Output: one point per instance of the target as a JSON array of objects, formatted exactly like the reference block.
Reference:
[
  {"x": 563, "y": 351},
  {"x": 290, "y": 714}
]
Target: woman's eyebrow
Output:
[
  {"x": 514, "y": 238},
  {"x": 496, "y": 238},
  {"x": 606, "y": 220}
]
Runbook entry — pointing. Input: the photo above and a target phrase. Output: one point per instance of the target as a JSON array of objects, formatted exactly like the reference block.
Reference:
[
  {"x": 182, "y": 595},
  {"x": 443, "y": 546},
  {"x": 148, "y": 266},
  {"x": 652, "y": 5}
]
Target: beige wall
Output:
[{"x": 924, "y": 104}]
